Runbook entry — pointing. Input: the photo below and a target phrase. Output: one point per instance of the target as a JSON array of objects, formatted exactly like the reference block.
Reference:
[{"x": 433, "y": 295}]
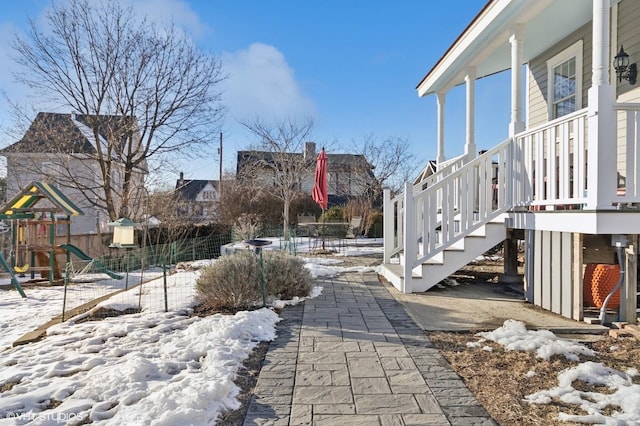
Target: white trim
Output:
[
  {"x": 527, "y": 95},
  {"x": 613, "y": 43},
  {"x": 575, "y": 50}
]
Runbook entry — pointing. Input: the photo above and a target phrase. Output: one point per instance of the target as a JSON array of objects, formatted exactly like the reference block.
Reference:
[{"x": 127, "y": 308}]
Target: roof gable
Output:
[
  {"x": 70, "y": 133},
  {"x": 190, "y": 188},
  {"x": 24, "y": 202}
]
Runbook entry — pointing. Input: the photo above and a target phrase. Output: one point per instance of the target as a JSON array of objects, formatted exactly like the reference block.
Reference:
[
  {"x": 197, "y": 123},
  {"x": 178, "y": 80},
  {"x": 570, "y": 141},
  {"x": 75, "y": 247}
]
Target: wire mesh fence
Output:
[
  {"x": 162, "y": 277},
  {"x": 158, "y": 278}
]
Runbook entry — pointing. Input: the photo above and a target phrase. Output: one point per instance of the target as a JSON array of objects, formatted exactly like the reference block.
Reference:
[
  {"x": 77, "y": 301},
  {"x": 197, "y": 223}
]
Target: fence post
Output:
[
  {"x": 64, "y": 297},
  {"x": 164, "y": 281}
]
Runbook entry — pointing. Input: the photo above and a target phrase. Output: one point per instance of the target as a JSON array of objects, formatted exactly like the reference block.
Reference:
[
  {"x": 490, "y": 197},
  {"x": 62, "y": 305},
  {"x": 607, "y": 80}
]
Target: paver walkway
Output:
[{"x": 354, "y": 356}]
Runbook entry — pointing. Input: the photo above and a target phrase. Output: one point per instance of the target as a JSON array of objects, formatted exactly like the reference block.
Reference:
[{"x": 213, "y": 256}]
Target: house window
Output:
[
  {"x": 208, "y": 195},
  {"x": 565, "y": 81}
]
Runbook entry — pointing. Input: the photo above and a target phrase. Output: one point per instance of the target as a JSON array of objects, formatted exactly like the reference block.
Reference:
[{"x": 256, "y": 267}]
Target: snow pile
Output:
[
  {"x": 513, "y": 335},
  {"x": 135, "y": 369},
  {"x": 624, "y": 397},
  {"x": 619, "y": 406}
]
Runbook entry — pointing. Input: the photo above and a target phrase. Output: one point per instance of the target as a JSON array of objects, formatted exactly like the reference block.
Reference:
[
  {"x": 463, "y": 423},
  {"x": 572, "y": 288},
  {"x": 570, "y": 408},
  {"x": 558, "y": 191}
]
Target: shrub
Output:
[
  {"x": 334, "y": 214},
  {"x": 376, "y": 221},
  {"x": 247, "y": 227},
  {"x": 285, "y": 275},
  {"x": 230, "y": 282},
  {"x": 233, "y": 282}
]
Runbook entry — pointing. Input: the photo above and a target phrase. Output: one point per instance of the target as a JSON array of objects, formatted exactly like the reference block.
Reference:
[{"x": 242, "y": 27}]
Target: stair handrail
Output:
[
  {"x": 443, "y": 169},
  {"x": 459, "y": 204}
]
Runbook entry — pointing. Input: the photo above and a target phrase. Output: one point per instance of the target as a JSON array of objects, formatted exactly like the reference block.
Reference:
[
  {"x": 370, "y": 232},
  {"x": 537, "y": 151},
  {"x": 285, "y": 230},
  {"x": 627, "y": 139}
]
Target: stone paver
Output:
[{"x": 353, "y": 356}]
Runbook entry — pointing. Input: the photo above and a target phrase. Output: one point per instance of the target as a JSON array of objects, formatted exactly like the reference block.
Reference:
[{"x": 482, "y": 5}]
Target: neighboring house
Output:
[
  {"x": 349, "y": 175},
  {"x": 567, "y": 178},
  {"x": 61, "y": 149},
  {"x": 198, "y": 199}
]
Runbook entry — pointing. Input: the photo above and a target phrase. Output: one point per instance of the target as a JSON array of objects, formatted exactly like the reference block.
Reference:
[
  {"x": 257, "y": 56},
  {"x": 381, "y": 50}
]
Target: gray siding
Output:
[
  {"x": 628, "y": 36},
  {"x": 538, "y": 108}
]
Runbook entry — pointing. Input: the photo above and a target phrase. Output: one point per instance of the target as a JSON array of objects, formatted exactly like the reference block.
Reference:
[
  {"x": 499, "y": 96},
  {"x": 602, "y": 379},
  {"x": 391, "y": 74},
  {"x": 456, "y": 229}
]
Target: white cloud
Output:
[
  {"x": 175, "y": 11},
  {"x": 261, "y": 84}
]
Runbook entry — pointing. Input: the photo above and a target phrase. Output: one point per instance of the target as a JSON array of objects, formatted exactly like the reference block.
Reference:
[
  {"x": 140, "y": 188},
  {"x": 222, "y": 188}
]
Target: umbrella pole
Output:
[{"x": 322, "y": 227}]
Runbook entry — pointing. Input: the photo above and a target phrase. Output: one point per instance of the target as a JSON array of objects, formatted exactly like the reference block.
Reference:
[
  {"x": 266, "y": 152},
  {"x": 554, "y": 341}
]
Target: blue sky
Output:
[{"x": 352, "y": 66}]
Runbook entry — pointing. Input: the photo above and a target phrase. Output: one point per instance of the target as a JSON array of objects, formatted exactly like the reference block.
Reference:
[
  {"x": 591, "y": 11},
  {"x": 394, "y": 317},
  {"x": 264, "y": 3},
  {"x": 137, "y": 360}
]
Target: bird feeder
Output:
[{"x": 123, "y": 233}]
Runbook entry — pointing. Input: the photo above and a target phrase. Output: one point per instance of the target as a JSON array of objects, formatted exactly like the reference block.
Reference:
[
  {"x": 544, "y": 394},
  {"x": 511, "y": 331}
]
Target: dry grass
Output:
[{"x": 499, "y": 378}]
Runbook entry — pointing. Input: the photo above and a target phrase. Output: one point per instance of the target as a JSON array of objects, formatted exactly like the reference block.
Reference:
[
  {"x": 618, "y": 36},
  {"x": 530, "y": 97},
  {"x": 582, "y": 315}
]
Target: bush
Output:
[
  {"x": 230, "y": 282},
  {"x": 376, "y": 221},
  {"x": 285, "y": 275},
  {"x": 334, "y": 214},
  {"x": 233, "y": 282}
]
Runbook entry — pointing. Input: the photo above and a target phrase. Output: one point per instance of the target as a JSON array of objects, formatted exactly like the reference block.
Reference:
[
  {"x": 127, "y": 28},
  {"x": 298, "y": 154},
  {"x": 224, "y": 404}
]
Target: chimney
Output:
[
  {"x": 181, "y": 181},
  {"x": 309, "y": 150}
]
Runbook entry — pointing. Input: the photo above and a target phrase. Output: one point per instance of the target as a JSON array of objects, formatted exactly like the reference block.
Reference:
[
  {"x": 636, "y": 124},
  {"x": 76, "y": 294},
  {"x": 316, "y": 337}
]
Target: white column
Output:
[
  {"x": 601, "y": 179},
  {"x": 441, "y": 101},
  {"x": 517, "y": 124},
  {"x": 470, "y": 142},
  {"x": 600, "y": 68}
]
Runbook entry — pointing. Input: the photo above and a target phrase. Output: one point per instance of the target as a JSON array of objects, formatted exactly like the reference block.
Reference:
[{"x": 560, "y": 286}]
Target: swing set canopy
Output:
[{"x": 22, "y": 205}]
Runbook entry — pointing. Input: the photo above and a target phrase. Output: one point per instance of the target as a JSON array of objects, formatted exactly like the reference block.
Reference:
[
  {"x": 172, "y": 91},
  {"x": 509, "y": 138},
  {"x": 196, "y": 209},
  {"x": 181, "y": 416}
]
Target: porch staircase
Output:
[
  {"x": 455, "y": 256},
  {"x": 440, "y": 225}
]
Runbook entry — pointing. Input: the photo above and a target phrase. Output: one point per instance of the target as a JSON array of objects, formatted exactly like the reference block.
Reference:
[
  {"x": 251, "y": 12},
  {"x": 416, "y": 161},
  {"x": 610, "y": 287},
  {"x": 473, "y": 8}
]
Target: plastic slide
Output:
[
  {"x": 83, "y": 256},
  {"x": 14, "y": 280}
]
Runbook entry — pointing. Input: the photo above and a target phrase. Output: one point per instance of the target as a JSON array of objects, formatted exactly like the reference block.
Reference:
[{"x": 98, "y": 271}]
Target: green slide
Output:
[
  {"x": 83, "y": 256},
  {"x": 14, "y": 280}
]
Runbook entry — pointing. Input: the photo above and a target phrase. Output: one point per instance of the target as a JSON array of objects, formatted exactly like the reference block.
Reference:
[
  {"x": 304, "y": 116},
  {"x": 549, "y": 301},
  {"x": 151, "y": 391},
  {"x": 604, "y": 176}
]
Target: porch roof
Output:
[{"x": 484, "y": 44}]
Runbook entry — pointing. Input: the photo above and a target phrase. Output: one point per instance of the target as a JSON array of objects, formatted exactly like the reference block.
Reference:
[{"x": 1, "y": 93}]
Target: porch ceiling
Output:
[{"x": 485, "y": 42}]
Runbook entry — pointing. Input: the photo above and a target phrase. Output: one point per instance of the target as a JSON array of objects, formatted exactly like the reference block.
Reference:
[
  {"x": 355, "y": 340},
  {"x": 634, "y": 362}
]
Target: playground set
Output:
[{"x": 35, "y": 214}]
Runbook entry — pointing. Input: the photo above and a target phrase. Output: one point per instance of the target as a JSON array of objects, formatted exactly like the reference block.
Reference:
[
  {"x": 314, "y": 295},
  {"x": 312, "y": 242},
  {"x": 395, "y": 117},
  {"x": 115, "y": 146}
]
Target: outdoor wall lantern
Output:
[
  {"x": 624, "y": 70},
  {"x": 123, "y": 233}
]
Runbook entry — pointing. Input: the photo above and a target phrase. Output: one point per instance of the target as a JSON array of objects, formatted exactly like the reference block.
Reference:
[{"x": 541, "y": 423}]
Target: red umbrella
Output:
[{"x": 320, "y": 191}]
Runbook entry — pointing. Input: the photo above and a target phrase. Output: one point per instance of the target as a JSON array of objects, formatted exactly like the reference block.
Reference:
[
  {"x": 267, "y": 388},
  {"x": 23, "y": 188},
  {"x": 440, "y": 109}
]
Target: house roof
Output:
[
  {"x": 429, "y": 169},
  {"x": 67, "y": 133},
  {"x": 23, "y": 203},
  {"x": 484, "y": 44},
  {"x": 190, "y": 188},
  {"x": 333, "y": 160}
]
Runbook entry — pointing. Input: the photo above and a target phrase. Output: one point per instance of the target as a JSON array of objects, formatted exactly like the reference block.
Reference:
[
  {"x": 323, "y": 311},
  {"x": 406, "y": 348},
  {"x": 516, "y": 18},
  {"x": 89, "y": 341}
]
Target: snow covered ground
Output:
[
  {"x": 175, "y": 369},
  {"x": 622, "y": 392},
  {"x": 165, "y": 367}
]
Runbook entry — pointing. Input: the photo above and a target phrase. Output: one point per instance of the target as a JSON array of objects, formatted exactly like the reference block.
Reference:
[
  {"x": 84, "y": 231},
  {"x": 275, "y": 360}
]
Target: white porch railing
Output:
[
  {"x": 628, "y": 153},
  {"x": 549, "y": 164},
  {"x": 544, "y": 168}
]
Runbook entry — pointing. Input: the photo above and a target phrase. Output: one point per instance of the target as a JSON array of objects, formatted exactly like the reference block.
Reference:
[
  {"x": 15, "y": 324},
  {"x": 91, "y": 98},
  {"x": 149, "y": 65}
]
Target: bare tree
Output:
[
  {"x": 159, "y": 93},
  {"x": 282, "y": 165},
  {"x": 391, "y": 162}
]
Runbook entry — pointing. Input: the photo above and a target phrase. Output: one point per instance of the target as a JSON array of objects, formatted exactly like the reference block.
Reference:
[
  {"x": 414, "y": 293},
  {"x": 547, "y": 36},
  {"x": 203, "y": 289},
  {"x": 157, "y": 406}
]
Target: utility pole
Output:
[{"x": 220, "y": 172}]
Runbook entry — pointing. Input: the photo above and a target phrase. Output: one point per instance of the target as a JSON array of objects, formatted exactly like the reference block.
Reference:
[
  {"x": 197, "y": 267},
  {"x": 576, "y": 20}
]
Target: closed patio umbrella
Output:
[{"x": 320, "y": 192}]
